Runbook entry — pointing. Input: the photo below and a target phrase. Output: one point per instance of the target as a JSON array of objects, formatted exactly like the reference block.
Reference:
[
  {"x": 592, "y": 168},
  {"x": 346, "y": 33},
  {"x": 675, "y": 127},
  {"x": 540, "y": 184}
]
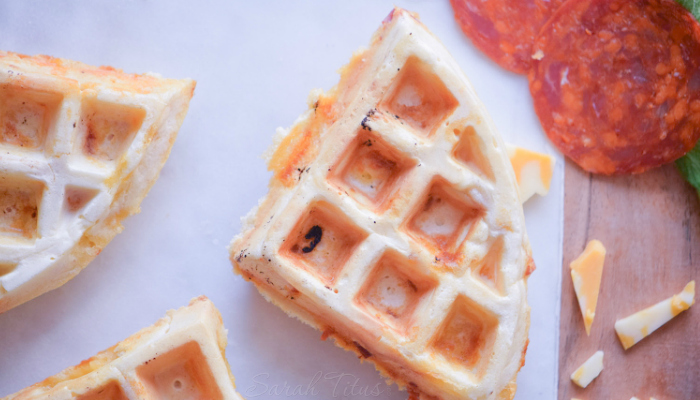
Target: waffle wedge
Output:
[
  {"x": 393, "y": 223},
  {"x": 179, "y": 357},
  {"x": 80, "y": 147}
]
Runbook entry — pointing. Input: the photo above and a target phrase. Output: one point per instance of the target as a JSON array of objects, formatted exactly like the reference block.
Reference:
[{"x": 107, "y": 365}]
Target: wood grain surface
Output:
[{"x": 650, "y": 225}]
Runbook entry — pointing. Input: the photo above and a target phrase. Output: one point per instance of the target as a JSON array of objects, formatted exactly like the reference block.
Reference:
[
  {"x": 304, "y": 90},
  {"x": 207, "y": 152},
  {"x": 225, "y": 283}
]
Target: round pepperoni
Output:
[
  {"x": 616, "y": 84},
  {"x": 504, "y": 29}
]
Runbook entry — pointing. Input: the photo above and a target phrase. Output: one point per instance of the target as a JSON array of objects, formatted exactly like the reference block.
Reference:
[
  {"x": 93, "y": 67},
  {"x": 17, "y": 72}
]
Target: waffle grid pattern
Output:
[
  {"x": 359, "y": 247},
  {"x": 80, "y": 147},
  {"x": 397, "y": 223},
  {"x": 48, "y": 132},
  {"x": 180, "y": 357}
]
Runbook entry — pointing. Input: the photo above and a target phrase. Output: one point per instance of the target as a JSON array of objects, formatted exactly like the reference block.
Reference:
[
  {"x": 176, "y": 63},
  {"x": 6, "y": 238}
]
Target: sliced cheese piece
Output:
[
  {"x": 586, "y": 272},
  {"x": 533, "y": 171},
  {"x": 639, "y": 325},
  {"x": 589, "y": 370}
]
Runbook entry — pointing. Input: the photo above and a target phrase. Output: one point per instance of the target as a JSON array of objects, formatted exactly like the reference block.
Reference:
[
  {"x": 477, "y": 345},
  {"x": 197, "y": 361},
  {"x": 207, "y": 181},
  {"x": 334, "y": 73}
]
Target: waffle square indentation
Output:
[
  {"x": 76, "y": 198},
  {"x": 20, "y": 199},
  {"x": 488, "y": 270},
  {"x": 182, "y": 373},
  {"x": 107, "y": 129},
  {"x": 467, "y": 335},
  {"x": 394, "y": 289},
  {"x": 469, "y": 150},
  {"x": 419, "y": 97},
  {"x": 322, "y": 241},
  {"x": 370, "y": 170},
  {"x": 27, "y": 116},
  {"x": 444, "y": 219},
  {"x": 108, "y": 391}
]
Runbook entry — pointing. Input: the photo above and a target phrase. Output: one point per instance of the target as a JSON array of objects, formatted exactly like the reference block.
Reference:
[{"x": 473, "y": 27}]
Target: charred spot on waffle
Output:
[
  {"x": 366, "y": 119},
  {"x": 364, "y": 124},
  {"x": 413, "y": 392},
  {"x": 293, "y": 293},
  {"x": 364, "y": 352},
  {"x": 322, "y": 241},
  {"x": 412, "y": 285},
  {"x": 314, "y": 234},
  {"x": 241, "y": 255},
  {"x": 301, "y": 172}
]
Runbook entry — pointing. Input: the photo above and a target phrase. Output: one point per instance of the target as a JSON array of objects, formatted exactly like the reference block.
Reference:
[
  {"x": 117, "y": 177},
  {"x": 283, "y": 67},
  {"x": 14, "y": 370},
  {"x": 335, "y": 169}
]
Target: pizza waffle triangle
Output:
[
  {"x": 80, "y": 147},
  {"x": 393, "y": 223},
  {"x": 180, "y": 357}
]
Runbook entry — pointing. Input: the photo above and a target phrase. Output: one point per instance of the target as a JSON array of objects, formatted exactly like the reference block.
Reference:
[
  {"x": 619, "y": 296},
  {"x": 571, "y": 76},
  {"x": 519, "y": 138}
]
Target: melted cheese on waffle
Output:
[
  {"x": 393, "y": 222},
  {"x": 81, "y": 146}
]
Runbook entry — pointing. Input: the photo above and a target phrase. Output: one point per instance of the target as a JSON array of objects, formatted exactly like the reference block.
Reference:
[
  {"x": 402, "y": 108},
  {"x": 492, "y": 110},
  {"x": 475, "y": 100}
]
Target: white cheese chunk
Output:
[
  {"x": 639, "y": 325},
  {"x": 589, "y": 370}
]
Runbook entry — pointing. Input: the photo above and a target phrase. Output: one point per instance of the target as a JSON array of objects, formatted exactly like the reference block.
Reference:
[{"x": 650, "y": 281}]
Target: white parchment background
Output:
[{"x": 255, "y": 62}]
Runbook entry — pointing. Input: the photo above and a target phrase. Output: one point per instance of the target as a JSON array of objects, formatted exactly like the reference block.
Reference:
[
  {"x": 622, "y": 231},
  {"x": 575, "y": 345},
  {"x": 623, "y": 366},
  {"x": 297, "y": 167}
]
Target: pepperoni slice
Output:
[
  {"x": 617, "y": 84},
  {"x": 504, "y": 29}
]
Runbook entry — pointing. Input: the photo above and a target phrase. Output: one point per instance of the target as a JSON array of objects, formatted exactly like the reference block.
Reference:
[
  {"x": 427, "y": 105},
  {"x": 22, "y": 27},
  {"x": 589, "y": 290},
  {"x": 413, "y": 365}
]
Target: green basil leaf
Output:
[
  {"x": 693, "y": 6},
  {"x": 689, "y": 164}
]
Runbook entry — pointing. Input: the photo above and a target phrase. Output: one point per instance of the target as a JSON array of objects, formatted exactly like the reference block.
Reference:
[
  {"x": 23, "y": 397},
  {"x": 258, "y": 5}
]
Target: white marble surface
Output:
[{"x": 254, "y": 62}]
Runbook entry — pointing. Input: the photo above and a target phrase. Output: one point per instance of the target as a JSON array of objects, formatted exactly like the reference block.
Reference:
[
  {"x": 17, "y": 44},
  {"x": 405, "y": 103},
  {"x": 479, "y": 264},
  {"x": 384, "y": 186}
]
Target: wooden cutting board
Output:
[{"x": 650, "y": 225}]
